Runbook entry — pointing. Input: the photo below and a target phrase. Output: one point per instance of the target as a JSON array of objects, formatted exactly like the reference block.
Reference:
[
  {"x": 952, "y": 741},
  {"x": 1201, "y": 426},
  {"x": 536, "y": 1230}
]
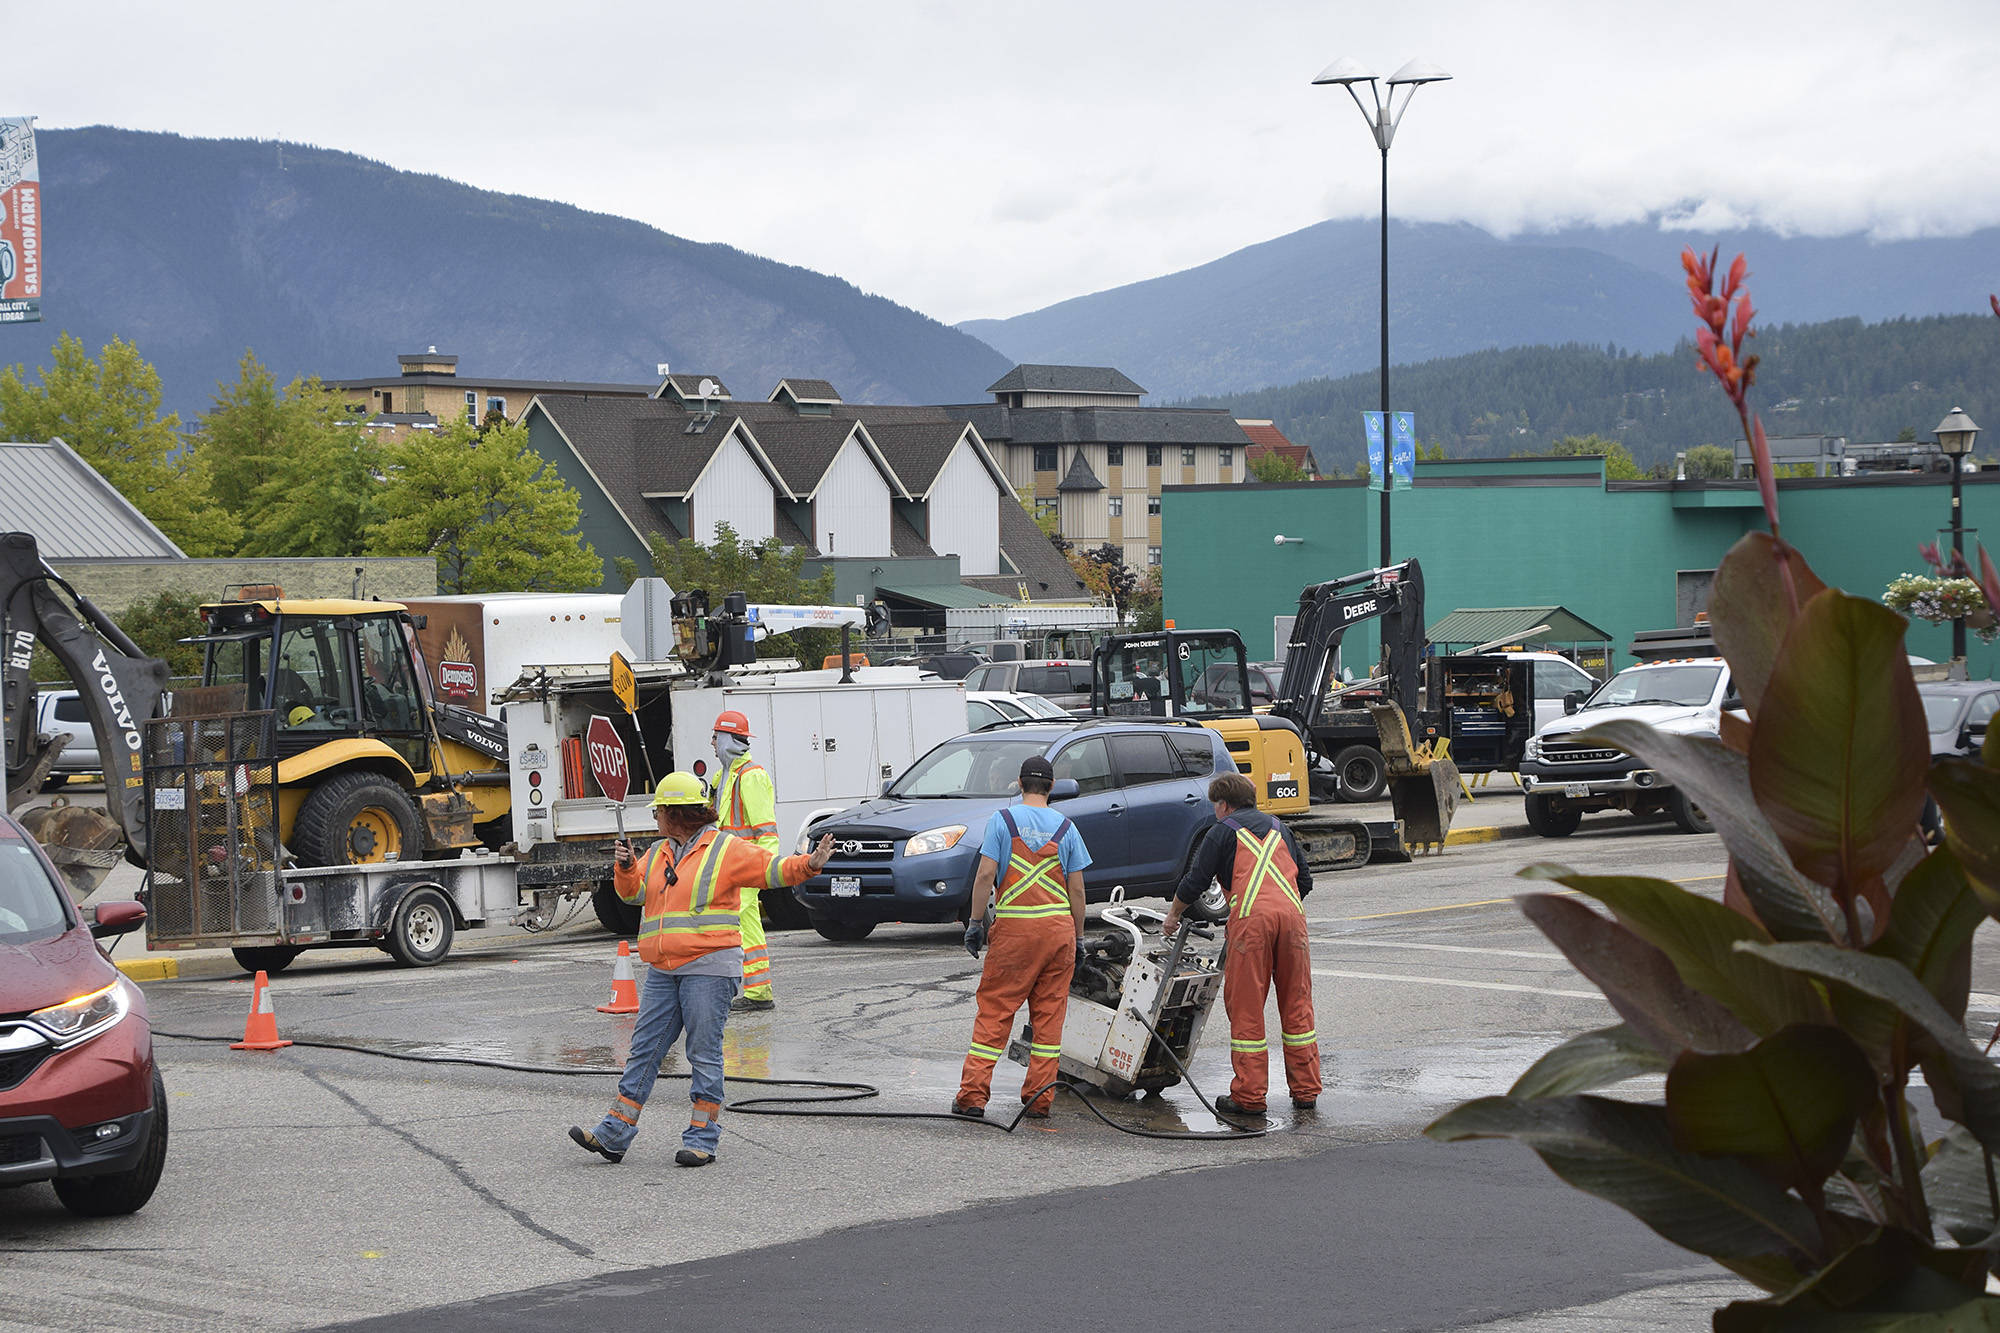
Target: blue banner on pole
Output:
[
  {"x": 1403, "y": 449},
  {"x": 1378, "y": 471}
]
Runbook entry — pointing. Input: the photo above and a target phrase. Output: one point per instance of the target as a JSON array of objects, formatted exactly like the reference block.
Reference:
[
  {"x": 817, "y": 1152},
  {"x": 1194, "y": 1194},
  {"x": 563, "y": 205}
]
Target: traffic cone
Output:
[
  {"x": 260, "y": 1029},
  {"x": 624, "y": 990}
]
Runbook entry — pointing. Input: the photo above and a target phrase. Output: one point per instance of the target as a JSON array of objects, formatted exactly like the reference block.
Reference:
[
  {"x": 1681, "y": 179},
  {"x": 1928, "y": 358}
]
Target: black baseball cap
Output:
[{"x": 1037, "y": 766}]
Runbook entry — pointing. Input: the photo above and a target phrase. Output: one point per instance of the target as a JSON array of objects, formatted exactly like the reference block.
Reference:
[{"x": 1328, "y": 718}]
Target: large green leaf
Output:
[
  {"x": 1976, "y": 1078},
  {"x": 1840, "y": 750},
  {"x": 1637, "y": 978},
  {"x": 1969, "y": 796},
  {"x": 1931, "y": 921},
  {"x": 1962, "y": 1186},
  {"x": 1699, "y": 935},
  {"x": 1749, "y": 610},
  {"x": 1589, "y": 1060},
  {"x": 1786, "y": 1107},
  {"x": 1791, "y": 906},
  {"x": 1624, "y": 1153},
  {"x": 1891, "y": 1280}
]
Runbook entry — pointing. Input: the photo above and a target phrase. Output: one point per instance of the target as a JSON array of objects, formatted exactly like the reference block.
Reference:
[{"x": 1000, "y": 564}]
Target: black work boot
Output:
[
  {"x": 743, "y": 1004},
  {"x": 689, "y": 1157},
  {"x": 1230, "y": 1106}
]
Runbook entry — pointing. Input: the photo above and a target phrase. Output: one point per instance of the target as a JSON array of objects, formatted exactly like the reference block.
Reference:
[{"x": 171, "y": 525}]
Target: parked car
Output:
[
  {"x": 82, "y": 1104},
  {"x": 1064, "y": 683},
  {"x": 60, "y": 713},
  {"x": 1137, "y": 791},
  {"x": 1564, "y": 778},
  {"x": 1957, "y": 714},
  {"x": 985, "y": 709}
]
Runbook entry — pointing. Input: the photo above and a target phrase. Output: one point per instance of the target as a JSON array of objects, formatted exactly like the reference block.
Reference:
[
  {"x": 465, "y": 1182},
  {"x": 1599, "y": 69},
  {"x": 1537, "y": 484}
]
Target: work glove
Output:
[
  {"x": 975, "y": 938},
  {"x": 1079, "y": 956}
]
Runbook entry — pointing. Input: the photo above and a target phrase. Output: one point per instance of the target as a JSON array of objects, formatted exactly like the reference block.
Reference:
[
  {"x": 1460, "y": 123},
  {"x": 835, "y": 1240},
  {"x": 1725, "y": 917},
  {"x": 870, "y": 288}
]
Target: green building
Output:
[{"x": 1626, "y": 555}]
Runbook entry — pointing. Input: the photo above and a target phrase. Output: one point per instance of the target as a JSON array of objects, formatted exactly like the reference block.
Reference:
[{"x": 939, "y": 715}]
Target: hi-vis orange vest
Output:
[
  {"x": 696, "y": 909},
  {"x": 1032, "y": 886},
  {"x": 1262, "y": 877}
]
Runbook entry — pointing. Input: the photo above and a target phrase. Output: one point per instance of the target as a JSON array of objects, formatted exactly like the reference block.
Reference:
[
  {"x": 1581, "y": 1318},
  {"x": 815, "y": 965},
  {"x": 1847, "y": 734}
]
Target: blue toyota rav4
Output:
[{"x": 1136, "y": 790}]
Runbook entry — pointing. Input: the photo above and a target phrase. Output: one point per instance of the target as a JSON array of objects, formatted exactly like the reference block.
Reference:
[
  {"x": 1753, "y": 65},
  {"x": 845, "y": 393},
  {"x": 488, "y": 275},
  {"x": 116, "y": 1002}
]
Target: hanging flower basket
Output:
[{"x": 1941, "y": 601}]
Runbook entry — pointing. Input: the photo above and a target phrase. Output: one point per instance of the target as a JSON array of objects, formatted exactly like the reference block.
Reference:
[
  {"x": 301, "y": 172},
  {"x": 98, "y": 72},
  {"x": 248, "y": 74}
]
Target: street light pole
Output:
[
  {"x": 1382, "y": 122},
  {"x": 1955, "y": 435}
]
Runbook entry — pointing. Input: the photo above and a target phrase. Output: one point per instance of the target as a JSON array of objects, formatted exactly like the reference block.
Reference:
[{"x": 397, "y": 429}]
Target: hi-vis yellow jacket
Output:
[
  {"x": 699, "y": 912},
  {"x": 747, "y": 804}
]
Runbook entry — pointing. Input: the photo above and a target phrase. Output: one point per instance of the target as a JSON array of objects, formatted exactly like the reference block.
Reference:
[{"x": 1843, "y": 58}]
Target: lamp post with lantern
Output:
[{"x": 1955, "y": 435}]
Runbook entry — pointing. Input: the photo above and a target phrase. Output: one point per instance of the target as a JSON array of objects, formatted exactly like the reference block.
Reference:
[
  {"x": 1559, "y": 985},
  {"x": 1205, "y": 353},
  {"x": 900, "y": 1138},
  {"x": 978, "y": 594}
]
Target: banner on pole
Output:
[
  {"x": 20, "y": 222},
  {"x": 1403, "y": 449},
  {"x": 1378, "y": 469}
]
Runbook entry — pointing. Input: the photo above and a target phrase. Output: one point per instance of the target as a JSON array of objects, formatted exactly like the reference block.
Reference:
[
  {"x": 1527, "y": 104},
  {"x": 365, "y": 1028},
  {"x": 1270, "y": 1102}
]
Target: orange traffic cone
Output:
[
  {"x": 260, "y": 1030},
  {"x": 624, "y": 990}
]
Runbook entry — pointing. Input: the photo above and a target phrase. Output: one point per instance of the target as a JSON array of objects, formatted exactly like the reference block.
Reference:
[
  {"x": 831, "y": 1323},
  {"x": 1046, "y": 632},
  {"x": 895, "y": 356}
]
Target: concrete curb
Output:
[
  {"x": 1460, "y": 837},
  {"x": 151, "y": 969}
]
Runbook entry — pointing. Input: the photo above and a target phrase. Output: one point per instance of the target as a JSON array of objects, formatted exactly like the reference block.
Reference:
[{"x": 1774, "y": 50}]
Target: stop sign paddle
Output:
[{"x": 607, "y": 764}]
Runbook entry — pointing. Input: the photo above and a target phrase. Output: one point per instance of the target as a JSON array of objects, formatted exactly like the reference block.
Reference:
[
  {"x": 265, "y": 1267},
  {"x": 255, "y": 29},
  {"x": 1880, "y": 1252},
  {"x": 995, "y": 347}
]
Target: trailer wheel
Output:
[
  {"x": 357, "y": 819},
  {"x": 842, "y": 932},
  {"x": 1361, "y": 774},
  {"x": 273, "y": 958},
  {"x": 421, "y": 932},
  {"x": 1551, "y": 816},
  {"x": 614, "y": 913},
  {"x": 1688, "y": 817}
]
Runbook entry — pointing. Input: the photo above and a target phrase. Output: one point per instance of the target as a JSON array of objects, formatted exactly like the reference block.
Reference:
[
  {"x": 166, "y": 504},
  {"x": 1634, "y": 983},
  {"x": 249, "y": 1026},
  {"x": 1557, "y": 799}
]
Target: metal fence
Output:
[{"x": 212, "y": 828}]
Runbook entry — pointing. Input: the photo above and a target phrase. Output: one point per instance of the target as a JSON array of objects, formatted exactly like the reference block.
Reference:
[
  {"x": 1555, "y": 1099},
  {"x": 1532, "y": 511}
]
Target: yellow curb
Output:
[
  {"x": 151, "y": 969},
  {"x": 1458, "y": 837}
]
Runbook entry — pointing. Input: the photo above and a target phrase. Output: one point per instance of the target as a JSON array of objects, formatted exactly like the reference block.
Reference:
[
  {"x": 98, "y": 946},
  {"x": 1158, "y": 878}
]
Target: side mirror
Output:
[
  {"x": 1732, "y": 702},
  {"x": 1972, "y": 737},
  {"x": 1574, "y": 700},
  {"x": 115, "y": 918},
  {"x": 1064, "y": 789},
  {"x": 886, "y": 784}
]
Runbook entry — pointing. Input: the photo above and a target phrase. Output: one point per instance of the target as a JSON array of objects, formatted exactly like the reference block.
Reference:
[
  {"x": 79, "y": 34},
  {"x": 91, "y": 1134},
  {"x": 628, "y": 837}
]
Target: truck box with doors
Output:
[{"x": 473, "y": 647}]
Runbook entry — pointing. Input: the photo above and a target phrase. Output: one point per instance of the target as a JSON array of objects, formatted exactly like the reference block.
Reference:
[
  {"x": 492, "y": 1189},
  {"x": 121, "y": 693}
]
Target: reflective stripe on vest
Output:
[
  {"x": 1263, "y": 869},
  {"x": 695, "y": 917},
  {"x": 1033, "y": 883},
  {"x": 736, "y": 818}
]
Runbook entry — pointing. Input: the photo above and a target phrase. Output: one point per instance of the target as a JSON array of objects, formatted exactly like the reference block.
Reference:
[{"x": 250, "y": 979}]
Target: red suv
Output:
[{"x": 81, "y": 1102}]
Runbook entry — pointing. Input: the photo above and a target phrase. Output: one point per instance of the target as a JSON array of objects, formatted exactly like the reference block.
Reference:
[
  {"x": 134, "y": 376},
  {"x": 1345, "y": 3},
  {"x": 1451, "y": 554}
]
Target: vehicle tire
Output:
[
  {"x": 781, "y": 911},
  {"x": 55, "y": 781},
  {"x": 842, "y": 932},
  {"x": 126, "y": 1191},
  {"x": 614, "y": 913},
  {"x": 272, "y": 959},
  {"x": 420, "y": 933},
  {"x": 1551, "y": 816},
  {"x": 1688, "y": 817},
  {"x": 357, "y": 819},
  {"x": 1360, "y": 773}
]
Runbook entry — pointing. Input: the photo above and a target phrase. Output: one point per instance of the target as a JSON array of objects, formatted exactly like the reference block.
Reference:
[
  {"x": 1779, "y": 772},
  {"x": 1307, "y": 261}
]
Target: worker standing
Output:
[
  {"x": 747, "y": 805},
  {"x": 1037, "y": 938},
  {"x": 1257, "y": 857},
  {"x": 690, "y": 937}
]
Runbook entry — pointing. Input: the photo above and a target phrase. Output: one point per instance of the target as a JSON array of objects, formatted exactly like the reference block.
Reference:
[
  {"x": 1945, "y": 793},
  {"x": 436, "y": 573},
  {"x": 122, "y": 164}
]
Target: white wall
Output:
[
  {"x": 851, "y": 508},
  {"x": 735, "y": 491},
  {"x": 964, "y": 513}
]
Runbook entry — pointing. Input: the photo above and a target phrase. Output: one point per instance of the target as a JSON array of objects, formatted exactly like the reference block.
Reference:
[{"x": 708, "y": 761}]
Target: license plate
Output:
[
  {"x": 847, "y": 886},
  {"x": 1570, "y": 789}
]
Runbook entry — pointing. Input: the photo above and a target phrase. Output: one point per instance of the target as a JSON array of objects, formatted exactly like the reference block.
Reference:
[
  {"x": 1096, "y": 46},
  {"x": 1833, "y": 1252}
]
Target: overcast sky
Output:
[{"x": 988, "y": 159}]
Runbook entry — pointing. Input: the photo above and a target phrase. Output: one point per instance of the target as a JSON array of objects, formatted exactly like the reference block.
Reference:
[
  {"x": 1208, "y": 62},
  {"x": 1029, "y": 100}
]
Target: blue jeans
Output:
[{"x": 669, "y": 1004}]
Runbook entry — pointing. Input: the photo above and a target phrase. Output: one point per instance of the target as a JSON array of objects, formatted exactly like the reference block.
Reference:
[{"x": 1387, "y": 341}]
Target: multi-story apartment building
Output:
[
  {"x": 1078, "y": 447},
  {"x": 427, "y": 391}
]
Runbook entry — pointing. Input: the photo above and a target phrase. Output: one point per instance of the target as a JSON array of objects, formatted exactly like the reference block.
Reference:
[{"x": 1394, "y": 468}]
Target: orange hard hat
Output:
[{"x": 734, "y": 723}]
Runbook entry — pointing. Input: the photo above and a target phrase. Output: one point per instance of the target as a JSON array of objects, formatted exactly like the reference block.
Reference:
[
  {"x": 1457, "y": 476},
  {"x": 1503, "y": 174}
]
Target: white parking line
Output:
[
  {"x": 1343, "y": 941},
  {"x": 1447, "y": 981}
]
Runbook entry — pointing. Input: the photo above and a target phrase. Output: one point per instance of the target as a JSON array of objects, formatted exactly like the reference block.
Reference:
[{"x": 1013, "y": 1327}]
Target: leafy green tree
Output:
[
  {"x": 159, "y": 623},
  {"x": 108, "y": 410},
  {"x": 1712, "y": 462},
  {"x": 1432, "y": 452},
  {"x": 1362, "y": 472},
  {"x": 1274, "y": 466},
  {"x": 1048, "y": 521},
  {"x": 1618, "y": 463},
  {"x": 1148, "y": 608},
  {"x": 763, "y": 571},
  {"x": 496, "y": 516},
  {"x": 626, "y": 569}
]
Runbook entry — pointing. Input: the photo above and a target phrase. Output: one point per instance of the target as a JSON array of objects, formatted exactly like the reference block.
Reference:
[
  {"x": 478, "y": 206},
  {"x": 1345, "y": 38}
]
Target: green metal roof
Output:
[
  {"x": 1512, "y": 624},
  {"x": 945, "y": 595}
]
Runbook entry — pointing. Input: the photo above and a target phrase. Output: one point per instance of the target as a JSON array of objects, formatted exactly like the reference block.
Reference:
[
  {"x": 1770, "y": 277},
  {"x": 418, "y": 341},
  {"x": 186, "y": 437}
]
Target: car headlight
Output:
[
  {"x": 934, "y": 840},
  {"x": 84, "y": 1017}
]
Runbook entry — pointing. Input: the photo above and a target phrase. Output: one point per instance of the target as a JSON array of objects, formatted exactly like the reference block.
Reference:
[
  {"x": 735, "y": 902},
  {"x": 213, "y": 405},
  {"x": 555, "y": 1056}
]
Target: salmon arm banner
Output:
[{"x": 20, "y": 222}]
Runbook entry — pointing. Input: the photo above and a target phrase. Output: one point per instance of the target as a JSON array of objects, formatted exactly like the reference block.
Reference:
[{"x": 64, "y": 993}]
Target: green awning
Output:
[
  {"x": 1515, "y": 624},
  {"x": 946, "y": 595}
]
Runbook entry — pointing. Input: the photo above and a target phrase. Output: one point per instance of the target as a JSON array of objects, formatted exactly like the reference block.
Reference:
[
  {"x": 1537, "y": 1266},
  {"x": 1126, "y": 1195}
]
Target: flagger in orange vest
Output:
[
  {"x": 691, "y": 882},
  {"x": 1259, "y": 860},
  {"x": 1037, "y": 938}
]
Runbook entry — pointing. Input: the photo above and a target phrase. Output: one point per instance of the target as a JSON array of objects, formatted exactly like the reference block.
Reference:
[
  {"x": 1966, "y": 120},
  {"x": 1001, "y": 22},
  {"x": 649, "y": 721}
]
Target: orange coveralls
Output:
[{"x": 1267, "y": 942}]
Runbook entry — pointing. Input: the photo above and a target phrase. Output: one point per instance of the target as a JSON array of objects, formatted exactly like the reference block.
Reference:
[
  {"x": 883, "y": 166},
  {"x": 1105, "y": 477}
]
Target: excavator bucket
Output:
[
  {"x": 84, "y": 843},
  {"x": 1423, "y": 790}
]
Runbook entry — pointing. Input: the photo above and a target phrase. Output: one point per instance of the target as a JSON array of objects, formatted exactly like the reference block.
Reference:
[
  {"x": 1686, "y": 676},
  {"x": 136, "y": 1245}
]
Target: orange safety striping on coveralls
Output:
[
  {"x": 1267, "y": 942},
  {"x": 1030, "y": 959}
]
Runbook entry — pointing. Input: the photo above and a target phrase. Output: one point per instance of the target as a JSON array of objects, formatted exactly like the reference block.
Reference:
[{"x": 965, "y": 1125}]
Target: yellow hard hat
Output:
[
  {"x": 298, "y": 715},
  {"x": 680, "y": 789}
]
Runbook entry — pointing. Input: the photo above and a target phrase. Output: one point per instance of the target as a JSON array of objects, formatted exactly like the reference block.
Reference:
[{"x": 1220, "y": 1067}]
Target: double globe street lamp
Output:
[
  {"x": 1955, "y": 435},
  {"x": 1382, "y": 123}
]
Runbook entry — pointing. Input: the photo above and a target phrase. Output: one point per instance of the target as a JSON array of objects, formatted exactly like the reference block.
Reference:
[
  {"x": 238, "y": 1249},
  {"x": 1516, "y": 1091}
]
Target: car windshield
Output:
[
  {"x": 1688, "y": 686},
  {"x": 1941, "y": 711},
  {"x": 969, "y": 766},
  {"x": 1036, "y": 706},
  {"x": 30, "y": 905}
]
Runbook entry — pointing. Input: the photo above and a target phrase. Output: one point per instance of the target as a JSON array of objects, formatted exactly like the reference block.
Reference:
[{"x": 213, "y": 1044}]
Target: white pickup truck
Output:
[
  {"x": 60, "y": 713},
  {"x": 1565, "y": 778}
]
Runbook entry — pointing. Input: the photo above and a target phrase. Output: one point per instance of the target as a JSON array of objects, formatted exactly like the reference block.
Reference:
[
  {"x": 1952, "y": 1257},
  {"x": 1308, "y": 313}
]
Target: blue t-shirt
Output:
[{"x": 1038, "y": 823}]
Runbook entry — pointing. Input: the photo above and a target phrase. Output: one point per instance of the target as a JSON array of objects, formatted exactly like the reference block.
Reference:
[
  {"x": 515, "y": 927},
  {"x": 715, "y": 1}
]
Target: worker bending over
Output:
[
  {"x": 1259, "y": 859},
  {"x": 747, "y": 807},
  {"x": 690, "y": 936},
  {"x": 1037, "y": 938}
]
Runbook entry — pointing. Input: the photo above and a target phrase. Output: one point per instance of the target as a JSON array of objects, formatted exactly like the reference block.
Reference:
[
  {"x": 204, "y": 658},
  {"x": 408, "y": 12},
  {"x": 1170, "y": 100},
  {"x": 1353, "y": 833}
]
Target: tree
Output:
[
  {"x": 1432, "y": 452},
  {"x": 1047, "y": 520},
  {"x": 1618, "y": 464},
  {"x": 1148, "y": 603},
  {"x": 156, "y": 625},
  {"x": 1362, "y": 472},
  {"x": 496, "y": 516},
  {"x": 1711, "y": 461},
  {"x": 763, "y": 571},
  {"x": 108, "y": 410},
  {"x": 1274, "y": 466},
  {"x": 1103, "y": 570}
]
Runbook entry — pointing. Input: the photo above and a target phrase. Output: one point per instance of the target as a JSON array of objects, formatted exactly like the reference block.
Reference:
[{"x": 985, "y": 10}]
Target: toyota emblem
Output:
[{"x": 850, "y": 848}]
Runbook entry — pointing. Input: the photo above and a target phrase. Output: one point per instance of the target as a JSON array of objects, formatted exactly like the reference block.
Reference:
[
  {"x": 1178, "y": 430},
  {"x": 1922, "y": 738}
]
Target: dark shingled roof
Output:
[
  {"x": 906, "y": 543},
  {"x": 806, "y": 391},
  {"x": 1064, "y": 379},
  {"x": 1102, "y": 425},
  {"x": 689, "y": 387},
  {"x": 1079, "y": 477},
  {"x": 918, "y": 450},
  {"x": 426, "y": 359},
  {"x": 801, "y": 448}
]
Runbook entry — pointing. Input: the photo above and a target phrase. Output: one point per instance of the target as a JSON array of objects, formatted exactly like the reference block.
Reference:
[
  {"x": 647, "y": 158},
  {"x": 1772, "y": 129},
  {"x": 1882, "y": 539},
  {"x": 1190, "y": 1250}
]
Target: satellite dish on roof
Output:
[{"x": 706, "y": 388}]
